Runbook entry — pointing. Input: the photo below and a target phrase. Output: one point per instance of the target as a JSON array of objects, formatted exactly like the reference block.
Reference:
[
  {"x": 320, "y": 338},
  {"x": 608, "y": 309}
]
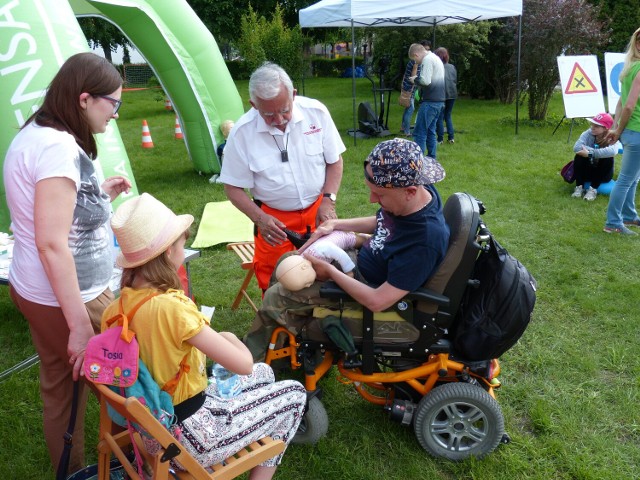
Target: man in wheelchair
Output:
[{"x": 409, "y": 239}]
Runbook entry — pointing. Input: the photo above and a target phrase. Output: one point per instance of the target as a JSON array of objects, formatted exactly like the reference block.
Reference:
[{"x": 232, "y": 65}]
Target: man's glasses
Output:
[{"x": 116, "y": 103}]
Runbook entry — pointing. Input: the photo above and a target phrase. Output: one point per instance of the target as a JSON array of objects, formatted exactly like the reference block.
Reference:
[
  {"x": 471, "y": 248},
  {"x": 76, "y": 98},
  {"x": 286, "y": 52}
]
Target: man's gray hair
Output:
[{"x": 266, "y": 81}]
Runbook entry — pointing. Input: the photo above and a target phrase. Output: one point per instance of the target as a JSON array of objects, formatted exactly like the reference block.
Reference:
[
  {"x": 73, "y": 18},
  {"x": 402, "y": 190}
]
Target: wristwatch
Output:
[{"x": 330, "y": 196}]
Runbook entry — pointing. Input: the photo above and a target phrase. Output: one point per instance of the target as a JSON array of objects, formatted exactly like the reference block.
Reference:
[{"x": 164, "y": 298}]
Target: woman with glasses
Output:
[
  {"x": 621, "y": 212},
  {"x": 62, "y": 257}
]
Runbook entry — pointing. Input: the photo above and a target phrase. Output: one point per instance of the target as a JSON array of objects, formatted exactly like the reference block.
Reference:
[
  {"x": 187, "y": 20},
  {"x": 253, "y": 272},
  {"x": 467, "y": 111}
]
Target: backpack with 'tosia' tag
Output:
[{"x": 113, "y": 358}]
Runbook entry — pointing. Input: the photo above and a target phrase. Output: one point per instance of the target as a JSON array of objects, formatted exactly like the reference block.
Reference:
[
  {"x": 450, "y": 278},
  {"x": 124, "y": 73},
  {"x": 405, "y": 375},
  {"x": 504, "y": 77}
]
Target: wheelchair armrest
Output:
[
  {"x": 426, "y": 295},
  {"x": 331, "y": 290}
]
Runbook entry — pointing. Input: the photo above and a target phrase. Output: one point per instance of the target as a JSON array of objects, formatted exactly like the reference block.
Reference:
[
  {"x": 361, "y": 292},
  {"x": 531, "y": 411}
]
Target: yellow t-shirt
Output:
[{"x": 163, "y": 325}]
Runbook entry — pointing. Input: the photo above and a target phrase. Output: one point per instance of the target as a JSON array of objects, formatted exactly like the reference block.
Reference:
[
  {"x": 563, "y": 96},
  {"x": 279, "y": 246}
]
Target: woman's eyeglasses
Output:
[{"x": 116, "y": 103}]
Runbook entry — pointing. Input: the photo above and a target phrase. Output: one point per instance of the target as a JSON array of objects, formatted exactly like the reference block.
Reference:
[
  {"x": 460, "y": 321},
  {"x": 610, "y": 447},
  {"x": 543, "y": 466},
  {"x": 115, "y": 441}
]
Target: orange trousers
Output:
[{"x": 266, "y": 256}]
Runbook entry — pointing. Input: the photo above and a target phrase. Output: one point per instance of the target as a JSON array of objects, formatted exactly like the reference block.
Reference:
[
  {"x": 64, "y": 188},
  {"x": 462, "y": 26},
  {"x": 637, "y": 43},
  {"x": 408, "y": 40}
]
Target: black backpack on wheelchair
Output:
[{"x": 403, "y": 359}]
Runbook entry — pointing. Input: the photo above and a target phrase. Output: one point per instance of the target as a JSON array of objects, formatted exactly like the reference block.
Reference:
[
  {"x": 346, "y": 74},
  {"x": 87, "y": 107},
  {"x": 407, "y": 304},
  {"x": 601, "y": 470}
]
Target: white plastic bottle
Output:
[{"x": 227, "y": 382}]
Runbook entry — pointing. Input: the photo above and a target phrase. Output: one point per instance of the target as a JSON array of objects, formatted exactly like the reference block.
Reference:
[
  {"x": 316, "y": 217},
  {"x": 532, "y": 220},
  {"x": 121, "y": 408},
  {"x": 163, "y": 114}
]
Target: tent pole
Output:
[
  {"x": 518, "y": 71},
  {"x": 353, "y": 80}
]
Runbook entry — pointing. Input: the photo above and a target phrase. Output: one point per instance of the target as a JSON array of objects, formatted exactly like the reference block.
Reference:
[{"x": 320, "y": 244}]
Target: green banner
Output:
[{"x": 36, "y": 37}]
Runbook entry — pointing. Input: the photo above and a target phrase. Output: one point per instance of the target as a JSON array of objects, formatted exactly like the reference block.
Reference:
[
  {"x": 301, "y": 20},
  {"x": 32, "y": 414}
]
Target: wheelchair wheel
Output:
[
  {"x": 458, "y": 420},
  {"x": 314, "y": 424}
]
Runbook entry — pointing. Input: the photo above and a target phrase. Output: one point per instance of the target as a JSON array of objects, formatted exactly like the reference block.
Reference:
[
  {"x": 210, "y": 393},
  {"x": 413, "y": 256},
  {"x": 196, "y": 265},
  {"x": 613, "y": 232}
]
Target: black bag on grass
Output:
[{"x": 496, "y": 308}]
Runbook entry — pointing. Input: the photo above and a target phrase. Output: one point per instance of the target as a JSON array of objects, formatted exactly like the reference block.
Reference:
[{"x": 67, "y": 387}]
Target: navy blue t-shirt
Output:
[{"x": 406, "y": 250}]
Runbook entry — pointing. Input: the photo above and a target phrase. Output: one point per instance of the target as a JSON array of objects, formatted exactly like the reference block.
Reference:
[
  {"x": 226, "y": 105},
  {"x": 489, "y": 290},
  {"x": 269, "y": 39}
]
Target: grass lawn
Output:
[{"x": 570, "y": 387}]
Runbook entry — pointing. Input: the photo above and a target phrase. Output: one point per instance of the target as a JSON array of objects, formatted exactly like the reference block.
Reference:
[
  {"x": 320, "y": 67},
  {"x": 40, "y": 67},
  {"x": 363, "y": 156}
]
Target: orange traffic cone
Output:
[
  {"x": 167, "y": 104},
  {"x": 146, "y": 136},
  {"x": 178, "y": 130}
]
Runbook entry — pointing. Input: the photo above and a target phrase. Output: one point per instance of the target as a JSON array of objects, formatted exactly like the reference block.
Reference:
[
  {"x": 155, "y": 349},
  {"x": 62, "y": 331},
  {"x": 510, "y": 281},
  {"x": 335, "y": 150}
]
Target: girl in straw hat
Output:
[{"x": 172, "y": 332}]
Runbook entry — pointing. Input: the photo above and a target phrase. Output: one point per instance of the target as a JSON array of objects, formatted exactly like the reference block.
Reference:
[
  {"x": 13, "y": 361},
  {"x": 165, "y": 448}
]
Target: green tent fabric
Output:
[{"x": 222, "y": 223}]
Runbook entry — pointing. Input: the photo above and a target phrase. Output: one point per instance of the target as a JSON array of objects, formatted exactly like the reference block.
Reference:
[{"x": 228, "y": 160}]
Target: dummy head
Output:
[
  {"x": 225, "y": 127},
  {"x": 295, "y": 273}
]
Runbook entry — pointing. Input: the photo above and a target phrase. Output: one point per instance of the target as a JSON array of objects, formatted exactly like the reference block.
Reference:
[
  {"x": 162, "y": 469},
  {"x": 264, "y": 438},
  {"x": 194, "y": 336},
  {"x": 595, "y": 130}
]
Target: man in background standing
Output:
[{"x": 431, "y": 83}]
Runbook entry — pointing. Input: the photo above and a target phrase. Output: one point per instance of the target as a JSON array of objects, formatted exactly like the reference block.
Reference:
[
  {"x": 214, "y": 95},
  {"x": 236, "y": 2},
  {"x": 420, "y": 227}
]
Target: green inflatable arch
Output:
[{"x": 37, "y": 36}]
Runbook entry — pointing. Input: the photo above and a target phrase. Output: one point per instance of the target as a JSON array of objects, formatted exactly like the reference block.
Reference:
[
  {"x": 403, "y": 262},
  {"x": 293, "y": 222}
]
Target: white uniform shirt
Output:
[{"x": 253, "y": 159}]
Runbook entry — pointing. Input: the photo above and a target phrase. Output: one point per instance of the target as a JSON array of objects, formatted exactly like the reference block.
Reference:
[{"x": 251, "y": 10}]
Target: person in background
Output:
[
  {"x": 62, "y": 257},
  {"x": 621, "y": 212},
  {"x": 431, "y": 83},
  {"x": 450, "y": 93},
  {"x": 412, "y": 70},
  {"x": 287, "y": 151},
  {"x": 409, "y": 238},
  {"x": 175, "y": 337},
  {"x": 593, "y": 161}
]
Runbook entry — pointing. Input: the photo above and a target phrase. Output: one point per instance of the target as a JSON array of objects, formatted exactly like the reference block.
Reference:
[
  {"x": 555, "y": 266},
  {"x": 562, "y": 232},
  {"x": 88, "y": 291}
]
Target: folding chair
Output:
[
  {"x": 134, "y": 411},
  {"x": 245, "y": 251}
]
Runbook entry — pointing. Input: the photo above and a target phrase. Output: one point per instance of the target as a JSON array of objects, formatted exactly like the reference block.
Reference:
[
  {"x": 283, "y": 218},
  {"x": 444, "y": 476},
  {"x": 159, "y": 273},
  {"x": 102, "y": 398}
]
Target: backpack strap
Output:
[
  {"x": 123, "y": 319},
  {"x": 171, "y": 385}
]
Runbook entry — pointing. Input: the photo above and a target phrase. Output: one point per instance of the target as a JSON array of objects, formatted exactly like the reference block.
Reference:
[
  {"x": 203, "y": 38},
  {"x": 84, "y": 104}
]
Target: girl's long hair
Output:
[
  {"x": 159, "y": 273},
  {"x": 632, "y": 55},
  {"x": 81, "y": 73}
]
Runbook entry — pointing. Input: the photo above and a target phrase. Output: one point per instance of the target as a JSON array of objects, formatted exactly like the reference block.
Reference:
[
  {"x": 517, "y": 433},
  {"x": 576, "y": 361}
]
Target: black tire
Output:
[
  {"x": 314, "y": 424},
  {"x": 459, "y": 420}
]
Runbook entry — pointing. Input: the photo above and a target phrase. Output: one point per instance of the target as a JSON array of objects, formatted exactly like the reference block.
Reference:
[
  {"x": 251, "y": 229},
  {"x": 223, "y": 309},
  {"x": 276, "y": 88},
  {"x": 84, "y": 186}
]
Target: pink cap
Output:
[{"x": 602, "y": 119}]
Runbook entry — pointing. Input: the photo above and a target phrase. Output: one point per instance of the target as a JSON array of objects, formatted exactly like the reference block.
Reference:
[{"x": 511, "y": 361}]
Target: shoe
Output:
[
  {"x": 622, "y": 230},
  {"x": 591, "y": 194},
  {"x": 577, "y": 193},
  {"x": 440, "y": 142},
  {"x": 633, "y": 223},
  {"x": 451, "y": 140}
]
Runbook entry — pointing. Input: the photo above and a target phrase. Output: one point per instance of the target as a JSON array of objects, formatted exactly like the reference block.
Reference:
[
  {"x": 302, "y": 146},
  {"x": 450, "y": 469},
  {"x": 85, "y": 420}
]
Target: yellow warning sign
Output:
[{"x": 579, "y": 82}]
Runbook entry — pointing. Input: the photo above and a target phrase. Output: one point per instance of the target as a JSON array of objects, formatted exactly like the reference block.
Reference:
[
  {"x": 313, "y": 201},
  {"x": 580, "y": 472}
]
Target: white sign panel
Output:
[
  {"x": 613, "y": 64},
  {"x": 581, "y": 86}
]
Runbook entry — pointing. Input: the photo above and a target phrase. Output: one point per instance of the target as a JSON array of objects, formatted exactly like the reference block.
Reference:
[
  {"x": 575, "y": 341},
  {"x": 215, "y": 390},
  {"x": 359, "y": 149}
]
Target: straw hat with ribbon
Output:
[{"x": 144, "y": 228}]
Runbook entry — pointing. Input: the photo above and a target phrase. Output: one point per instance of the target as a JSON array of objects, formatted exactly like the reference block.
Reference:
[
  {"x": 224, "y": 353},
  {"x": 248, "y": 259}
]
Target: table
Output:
[{"x": 114, "y": 285}]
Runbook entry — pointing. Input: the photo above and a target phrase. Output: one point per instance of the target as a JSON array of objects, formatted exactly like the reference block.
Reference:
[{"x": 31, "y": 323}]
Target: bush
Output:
[
  {"x": 238, "y": 69},
  {"x": 328, "y": 67}
]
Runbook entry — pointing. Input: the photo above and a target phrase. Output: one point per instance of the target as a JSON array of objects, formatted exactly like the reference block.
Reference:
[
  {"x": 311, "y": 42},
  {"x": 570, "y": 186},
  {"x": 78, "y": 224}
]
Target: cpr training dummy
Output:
[{"x": 296, "y": 272}]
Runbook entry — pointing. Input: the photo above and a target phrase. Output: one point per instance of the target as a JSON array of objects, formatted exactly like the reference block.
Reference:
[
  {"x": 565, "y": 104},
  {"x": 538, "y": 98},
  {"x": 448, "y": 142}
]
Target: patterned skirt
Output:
[{"x": 222, "y": 427}]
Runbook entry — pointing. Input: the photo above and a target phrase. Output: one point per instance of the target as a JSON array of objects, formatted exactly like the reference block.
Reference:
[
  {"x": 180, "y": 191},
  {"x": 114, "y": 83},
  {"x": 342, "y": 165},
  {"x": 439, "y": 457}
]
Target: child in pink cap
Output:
[{"x": 593, "y": 160}]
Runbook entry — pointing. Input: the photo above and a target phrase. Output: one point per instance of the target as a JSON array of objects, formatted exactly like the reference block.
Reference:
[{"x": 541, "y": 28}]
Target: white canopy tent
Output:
[{"x": 407, "y": 13}]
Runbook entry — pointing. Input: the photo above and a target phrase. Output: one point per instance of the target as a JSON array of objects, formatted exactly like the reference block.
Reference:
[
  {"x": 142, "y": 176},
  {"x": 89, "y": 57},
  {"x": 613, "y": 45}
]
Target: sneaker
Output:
[
  {"x": 633, "y": 223},
  {"x": 622, "y": 230},
  {"x": 577, "y": 193},
  {"x": 451, "y": 140},
  {"x": 440, "y": 142},
  {"x": 591, "y": 194}
]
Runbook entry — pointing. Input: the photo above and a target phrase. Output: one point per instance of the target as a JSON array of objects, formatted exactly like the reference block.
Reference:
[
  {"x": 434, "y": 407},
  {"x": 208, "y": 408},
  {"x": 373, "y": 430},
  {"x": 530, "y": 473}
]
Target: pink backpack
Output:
[{"x": 111, "y": 358}]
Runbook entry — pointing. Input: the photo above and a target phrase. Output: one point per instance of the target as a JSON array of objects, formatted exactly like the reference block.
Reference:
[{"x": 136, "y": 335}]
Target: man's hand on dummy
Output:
[
  {"x": 325, "y": 229},
  {"x": 271, "y": 229}
]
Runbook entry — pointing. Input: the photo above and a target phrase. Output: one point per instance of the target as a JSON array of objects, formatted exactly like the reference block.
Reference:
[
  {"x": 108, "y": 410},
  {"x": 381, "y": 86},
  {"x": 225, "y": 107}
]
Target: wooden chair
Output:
[
  {"x": 133, "y": 410},
  {"x": 245, "y": 251}
]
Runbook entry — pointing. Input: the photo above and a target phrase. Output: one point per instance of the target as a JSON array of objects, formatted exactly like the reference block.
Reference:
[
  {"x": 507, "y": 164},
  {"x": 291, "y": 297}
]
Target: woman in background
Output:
[{"x": 451, "y": 93}]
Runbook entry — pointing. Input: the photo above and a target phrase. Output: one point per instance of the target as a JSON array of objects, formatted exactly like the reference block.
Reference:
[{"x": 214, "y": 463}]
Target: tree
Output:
[
  {"x": 271, "y": 40},
  {"x": 624, "y": 18},
  {"x": 551, "y": 28},
  {"x": 222, "y": 17},
  {"x": 102, "y": 34}
]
